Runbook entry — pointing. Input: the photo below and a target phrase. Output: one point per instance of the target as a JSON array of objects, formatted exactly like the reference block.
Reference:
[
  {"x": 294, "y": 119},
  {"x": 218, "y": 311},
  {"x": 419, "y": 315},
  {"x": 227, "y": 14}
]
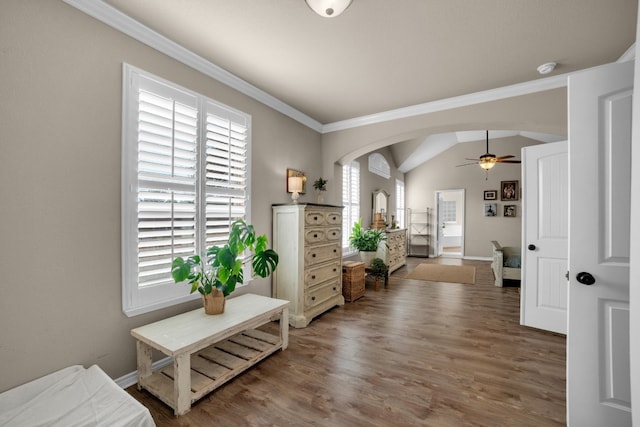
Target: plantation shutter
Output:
[
  {"x": 167, "y": 173},
  {"x": 350, "y": 200},
  {"x": 225, "y": 188},
  {"x": 400, "y": 203},
  {"x": 185, "y": 179}
]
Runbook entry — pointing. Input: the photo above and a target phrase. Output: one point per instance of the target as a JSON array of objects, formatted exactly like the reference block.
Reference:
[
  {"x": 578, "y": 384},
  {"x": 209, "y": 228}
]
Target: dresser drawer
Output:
[
  {"x": 315, "y": 235},
  {"x": 322, "y": 293},
  {"x": 321, "y": 253},
  {"x": 334, "y": 233},
  {"x": 321, "y": 273},
  {"x": 334, "y": 218},
  {"x": 314, "y": 217}
]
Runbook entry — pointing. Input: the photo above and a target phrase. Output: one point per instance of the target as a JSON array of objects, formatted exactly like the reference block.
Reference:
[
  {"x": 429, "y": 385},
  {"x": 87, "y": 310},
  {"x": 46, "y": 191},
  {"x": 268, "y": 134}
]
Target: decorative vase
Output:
[
  {"x": 367, "y": 257},
  {"x": 214, "y": 302},
  {"x": 320, "y": 197}
]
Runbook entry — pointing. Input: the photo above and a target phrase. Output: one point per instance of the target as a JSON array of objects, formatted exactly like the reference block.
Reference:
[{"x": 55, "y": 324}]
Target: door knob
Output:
[
  {"x": 585, "y": 278},
  {"x": 531, "y": 247}
]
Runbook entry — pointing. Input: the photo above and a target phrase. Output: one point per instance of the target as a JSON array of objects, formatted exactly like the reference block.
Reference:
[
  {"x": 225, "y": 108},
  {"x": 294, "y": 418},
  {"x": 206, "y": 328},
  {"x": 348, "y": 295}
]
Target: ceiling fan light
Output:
[
  {"x": 328, "y": 8},
  {"x": 487, "y": 163}
]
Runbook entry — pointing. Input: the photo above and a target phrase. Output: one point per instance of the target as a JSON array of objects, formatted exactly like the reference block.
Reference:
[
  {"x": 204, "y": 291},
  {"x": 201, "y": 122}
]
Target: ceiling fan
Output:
[{"x": 488, "y": 160}]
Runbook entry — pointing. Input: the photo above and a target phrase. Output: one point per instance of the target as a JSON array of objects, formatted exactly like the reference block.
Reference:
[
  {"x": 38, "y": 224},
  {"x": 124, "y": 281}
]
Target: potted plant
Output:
[
  {"x": 378, "y": 269},
  {"x": 216, "y": 276},
  {"x": 321, "y": 186},
  {"x": 366, "y": 241}
]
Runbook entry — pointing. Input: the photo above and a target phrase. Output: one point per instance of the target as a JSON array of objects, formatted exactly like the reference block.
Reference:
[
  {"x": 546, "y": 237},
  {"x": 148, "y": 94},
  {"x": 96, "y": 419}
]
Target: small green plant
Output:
[
  {"x": 320, "y": 184},
  {"x": 366, "y": 240},
  {"x": 223, "y": 267},
  {"x": 378, "y": 267}
]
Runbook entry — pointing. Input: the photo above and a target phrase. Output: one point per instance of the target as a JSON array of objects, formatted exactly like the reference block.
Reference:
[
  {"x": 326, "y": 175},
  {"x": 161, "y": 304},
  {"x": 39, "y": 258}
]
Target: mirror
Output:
[{"x": 380, "y": 205}]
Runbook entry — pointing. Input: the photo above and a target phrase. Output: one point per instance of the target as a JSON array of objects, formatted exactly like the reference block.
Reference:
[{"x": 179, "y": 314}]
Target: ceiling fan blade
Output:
[
  {"x": 472, "y": 159},
  {"x": 508, "y": 161},
  {"x": 467, "y": 164},
  {"x": 505, "y": 157}
]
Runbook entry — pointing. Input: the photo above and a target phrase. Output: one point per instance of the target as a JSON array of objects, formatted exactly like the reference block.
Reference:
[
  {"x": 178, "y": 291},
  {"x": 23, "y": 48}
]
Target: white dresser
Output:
[
  {"x": 394, "y": 253},
  {"x": 308, "y": 239}
]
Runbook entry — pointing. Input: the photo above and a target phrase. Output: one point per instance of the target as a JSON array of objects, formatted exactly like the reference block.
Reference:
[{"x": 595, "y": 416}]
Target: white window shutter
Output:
[{"x": 184, "y": 180}]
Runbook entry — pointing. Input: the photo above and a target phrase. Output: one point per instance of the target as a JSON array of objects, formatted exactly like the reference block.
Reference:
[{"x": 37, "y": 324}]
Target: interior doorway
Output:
[{"x": 450, "y": 223}]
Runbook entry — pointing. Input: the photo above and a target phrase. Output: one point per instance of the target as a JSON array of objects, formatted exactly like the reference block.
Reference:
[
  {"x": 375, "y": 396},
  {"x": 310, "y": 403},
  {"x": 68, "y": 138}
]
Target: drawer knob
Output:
[
  {"x": 335, "y": 250},
  {"x": 315, "y": 218},
  {"x": 335, "y": 269},
  {"x": 313, "y": 298},
  {"x": 335, "y": 288},
  {"x": 313, "y": 255},
  {"x": 313, "y": 276},
  {"x": 315, "y": 235}
]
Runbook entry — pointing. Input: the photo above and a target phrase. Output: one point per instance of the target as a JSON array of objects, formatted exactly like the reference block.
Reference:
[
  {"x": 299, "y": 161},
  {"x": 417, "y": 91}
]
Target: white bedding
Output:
[{"x": 73, "y": 396}]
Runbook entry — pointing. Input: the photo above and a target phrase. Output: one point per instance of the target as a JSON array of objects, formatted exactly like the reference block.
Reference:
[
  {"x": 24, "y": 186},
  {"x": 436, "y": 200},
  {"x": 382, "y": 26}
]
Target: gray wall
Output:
[
  {"x": 60, "y": 116},
  {"x": 370, "y": 182},
  {"x": 441, "y": 173}
]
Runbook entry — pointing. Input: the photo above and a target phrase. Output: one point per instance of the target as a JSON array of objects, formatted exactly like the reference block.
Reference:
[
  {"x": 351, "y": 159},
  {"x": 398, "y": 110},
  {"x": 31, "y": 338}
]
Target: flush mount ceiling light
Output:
[
  {"x": 547, "y": 68},
  {"x": 328, "y": 8}
]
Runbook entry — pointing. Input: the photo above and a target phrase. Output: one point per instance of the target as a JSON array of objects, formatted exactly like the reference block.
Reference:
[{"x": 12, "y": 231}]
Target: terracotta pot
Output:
[{"x": 214, "y": 302}]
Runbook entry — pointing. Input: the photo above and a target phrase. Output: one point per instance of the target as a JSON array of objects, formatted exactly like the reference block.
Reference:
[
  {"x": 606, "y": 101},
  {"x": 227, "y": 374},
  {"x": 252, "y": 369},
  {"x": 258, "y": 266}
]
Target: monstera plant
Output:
[{"x": 215, "y": 276}]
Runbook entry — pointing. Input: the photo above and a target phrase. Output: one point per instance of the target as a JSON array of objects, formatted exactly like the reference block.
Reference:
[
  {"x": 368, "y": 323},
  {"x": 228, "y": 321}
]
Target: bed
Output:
[
  {"x": 506, "y": 263},
  {"x": 73, "y": 396}
]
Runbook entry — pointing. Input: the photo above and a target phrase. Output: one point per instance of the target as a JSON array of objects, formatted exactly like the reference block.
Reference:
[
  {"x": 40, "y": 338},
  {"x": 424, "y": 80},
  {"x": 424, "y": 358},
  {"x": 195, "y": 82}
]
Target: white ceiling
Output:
[{"x": 383, "y": 55}]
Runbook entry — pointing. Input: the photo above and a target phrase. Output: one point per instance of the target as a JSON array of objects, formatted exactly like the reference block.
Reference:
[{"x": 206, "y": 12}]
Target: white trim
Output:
[
  {"x": 131, "y": 378},
  {"x": 477, "y": 258},
  {"x": 629, "y": 55},
  {"x": 450, "y": 103},
  {"x": 111, "y": 16}
]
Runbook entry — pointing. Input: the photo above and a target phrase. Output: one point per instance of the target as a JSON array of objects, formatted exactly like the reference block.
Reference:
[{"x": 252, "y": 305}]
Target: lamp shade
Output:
[
  {"x": 295, "y": 184},
  {"x": 328, "y": 8}
]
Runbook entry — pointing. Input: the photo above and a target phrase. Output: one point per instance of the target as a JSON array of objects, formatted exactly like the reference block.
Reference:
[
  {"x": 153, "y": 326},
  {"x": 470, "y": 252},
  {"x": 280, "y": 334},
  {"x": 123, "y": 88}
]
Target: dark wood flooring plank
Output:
[{"x": 414, "y": 353}]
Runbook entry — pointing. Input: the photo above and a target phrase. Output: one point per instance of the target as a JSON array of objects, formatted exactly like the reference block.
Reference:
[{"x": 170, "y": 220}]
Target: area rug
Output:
[{"x": 444, "y": 273}]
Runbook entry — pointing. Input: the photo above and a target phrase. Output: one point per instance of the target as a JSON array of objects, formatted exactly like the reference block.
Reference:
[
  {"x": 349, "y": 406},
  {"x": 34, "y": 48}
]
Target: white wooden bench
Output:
[
  {"x": 208, "y": 350},
  {"x": 506, "y": 263}
]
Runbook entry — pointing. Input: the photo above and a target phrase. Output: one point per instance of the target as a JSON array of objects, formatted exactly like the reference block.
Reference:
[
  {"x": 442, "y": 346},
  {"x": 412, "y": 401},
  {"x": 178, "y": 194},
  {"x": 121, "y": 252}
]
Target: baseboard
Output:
[
  {"x": 478, "y": 258},
  {"x": 132, "y": 377}
]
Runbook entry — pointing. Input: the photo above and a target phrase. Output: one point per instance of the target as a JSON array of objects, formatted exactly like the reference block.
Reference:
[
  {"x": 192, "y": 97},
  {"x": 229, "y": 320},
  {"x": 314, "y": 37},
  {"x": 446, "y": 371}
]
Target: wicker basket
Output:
[{"x": 352, "y": 280}]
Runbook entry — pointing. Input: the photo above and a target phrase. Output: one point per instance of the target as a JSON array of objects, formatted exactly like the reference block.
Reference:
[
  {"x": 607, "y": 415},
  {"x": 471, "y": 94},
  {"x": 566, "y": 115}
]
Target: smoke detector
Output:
[{"x": 547, "y": 68}]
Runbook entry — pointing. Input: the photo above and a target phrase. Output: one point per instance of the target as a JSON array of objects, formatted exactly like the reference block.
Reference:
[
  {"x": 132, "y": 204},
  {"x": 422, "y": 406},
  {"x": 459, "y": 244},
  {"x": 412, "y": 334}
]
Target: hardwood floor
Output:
[{"x": 415, "y": 353}]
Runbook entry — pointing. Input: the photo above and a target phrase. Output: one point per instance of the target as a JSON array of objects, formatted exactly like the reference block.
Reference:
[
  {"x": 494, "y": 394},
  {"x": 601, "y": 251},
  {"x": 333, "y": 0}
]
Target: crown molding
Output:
[
  {"x": 109, "y": 15},
  {"x": 629, "y": 55},
  {"x": 519, "y": 89}
]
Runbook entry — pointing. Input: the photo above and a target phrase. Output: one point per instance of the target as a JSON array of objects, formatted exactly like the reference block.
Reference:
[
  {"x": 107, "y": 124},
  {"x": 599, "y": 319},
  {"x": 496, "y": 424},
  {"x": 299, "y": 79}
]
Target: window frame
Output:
[{"x": 137, "y": 300}]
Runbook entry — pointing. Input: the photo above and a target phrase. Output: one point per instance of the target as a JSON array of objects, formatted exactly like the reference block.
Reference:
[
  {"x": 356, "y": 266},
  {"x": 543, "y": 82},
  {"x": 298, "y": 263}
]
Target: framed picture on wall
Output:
[
  {"x": 509, "y": 190},
  {"x": 510, "y": 210},
  {"x": 491, "y": 194},
  {"x": 490, "y": 209}
]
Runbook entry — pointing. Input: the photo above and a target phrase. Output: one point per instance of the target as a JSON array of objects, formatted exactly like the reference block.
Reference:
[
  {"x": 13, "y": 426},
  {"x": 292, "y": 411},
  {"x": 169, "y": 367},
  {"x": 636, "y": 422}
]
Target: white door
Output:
[
  {"x": 598, "y": 376},
  {"x": 545, "y": 184}
]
